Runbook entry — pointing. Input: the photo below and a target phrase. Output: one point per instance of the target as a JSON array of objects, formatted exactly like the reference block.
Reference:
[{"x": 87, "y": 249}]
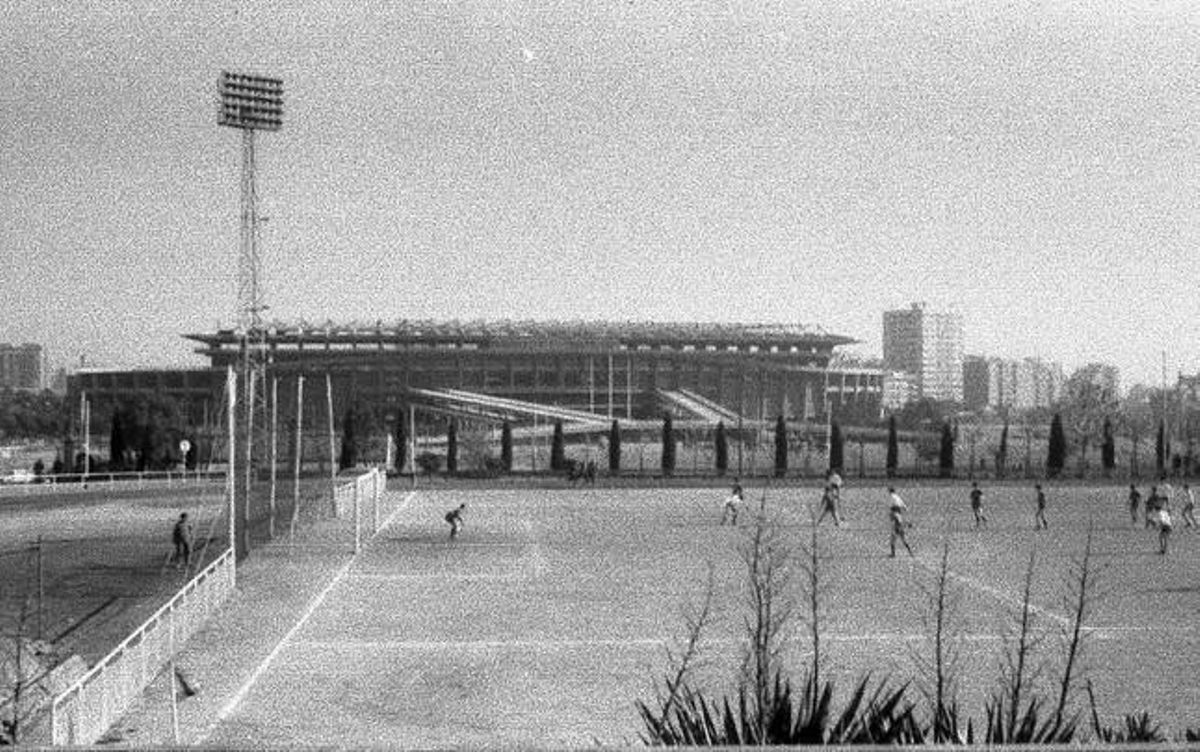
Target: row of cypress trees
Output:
[{"x": 1055, "y": 460}]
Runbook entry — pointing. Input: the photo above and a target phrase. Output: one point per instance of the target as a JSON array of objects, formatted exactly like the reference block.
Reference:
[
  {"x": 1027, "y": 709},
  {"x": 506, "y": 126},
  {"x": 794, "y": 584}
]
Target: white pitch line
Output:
[
  {"x": 312, "y": 607},
  {"x": 999, "y": 595}
]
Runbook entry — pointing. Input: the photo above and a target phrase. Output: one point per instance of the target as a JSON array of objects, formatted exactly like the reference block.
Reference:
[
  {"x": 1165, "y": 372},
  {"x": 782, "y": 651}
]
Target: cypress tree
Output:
[
  {"x": 893, "y": 448},
  {"x": 614, "y": 448},
  {"x": 558, "y": 449},
  {"x": 835, "y": 446},
  {"x": 506, "y": 447},
  {"x": 668, "y": 446},
  {"x": 349, "y": 457},
  {"x": 401, "y": 441},
  {"x": 116, "y": 444},
  {"x": 1160, "y": 449},
  {"x": 1002, "y": 455},
  {"x": 721, "y": 449},
  {"x": 1056, "y": 453},
  {"x": 1108, "y": 450},
  {"x": 452, "y": 447},
  {"x": 781, "y": 447},
  {"x": 946, "y": 456}
]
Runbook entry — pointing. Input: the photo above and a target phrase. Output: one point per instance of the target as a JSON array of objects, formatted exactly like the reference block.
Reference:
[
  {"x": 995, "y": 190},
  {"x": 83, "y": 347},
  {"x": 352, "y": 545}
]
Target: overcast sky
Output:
[{"x": 1033, "y": 164}]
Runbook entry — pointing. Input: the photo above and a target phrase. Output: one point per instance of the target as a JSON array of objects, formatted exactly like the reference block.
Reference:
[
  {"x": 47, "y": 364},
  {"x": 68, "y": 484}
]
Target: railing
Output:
[
  {"x": 64, "y": 483},
  {"x": 89, "y": 707}
]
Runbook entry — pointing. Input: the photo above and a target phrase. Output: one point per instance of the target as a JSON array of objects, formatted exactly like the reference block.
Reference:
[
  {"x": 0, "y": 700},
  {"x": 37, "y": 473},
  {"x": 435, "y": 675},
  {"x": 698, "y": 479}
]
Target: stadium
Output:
[{"x": 584, "y": 374}]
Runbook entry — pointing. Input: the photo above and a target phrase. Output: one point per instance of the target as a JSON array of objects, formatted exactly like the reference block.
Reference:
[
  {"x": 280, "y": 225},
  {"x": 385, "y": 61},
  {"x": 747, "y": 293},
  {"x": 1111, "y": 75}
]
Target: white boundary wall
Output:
[{"x": 88, "y": 708}]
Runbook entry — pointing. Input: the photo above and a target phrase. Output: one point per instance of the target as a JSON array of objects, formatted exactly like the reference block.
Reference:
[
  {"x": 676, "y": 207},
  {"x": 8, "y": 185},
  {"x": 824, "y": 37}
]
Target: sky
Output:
[{"x": 1034, "y": 166}]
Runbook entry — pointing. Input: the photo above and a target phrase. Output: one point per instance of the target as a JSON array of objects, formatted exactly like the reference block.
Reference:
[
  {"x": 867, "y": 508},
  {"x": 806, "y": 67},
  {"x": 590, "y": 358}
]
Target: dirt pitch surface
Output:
[
  {"x": 103, "y": 562},
  {"x": 550, "y": 614}
]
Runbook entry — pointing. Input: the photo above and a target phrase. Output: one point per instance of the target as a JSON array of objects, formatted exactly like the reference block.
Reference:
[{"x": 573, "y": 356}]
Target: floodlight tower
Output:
[{"x": 250, "y": 103}]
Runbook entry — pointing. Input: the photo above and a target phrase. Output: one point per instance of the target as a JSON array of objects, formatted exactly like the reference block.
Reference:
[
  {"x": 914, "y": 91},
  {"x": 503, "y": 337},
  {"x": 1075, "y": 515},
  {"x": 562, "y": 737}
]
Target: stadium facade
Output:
[{"x": 494, "y": 370}]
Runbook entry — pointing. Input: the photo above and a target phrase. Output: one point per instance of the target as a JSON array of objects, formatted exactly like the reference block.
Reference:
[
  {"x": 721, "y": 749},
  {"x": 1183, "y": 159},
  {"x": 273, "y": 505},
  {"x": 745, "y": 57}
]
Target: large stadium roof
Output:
[{"x": 487, "y": 332}]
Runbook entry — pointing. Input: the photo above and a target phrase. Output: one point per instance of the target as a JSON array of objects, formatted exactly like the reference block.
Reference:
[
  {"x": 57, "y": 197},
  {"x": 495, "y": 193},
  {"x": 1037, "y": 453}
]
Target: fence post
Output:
[
  {"x": 171, "y": 677},
  {"x": 357, "y": 537}
]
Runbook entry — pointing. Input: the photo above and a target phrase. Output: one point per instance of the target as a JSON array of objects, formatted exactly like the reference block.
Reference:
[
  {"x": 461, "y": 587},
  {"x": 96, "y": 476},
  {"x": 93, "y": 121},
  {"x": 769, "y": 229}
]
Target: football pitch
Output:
[{"x": 551, "y": 613}]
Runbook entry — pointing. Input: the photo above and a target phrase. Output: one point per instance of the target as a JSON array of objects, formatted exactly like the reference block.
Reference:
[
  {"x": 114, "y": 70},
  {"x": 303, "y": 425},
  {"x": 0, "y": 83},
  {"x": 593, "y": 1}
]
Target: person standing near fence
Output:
[
  {"x": 896, "y": 510},
  {"x": 181, "y": 536}
]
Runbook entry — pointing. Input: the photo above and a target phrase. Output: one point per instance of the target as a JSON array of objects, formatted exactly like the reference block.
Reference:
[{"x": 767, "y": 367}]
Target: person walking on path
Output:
[
  {"x": 1039, "y": 519},
  {"x": 896, "y": 510},
  {"x": 977, "y": 504},
  {"x": 455, "y": 518},
  {"x": 1189, "y": 506},
  {"x": 181, "y": 536},
  {"x": 1135, "y": 500}
]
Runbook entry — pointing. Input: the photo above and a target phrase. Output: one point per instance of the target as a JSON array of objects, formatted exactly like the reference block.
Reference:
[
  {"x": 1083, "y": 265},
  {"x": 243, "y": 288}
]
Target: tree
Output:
[
  {"x": 1160, "y": 449},
  {"x": 614, "y": 448},
  {"x": 558, "y": 449},
  {"x": 893, "y": 448},
  {"x": 721, "y": 450},
  {"x": 946, "y": 455},
  {"x": 835, "y": 446},
  {"x": 116, "y": 444},
  {"x": 668, "y": 446},
  {"x": 1090, "y": 396},
  {"x": 781, "y": 447},
  {"x": 401, "y": 441},
  {"x": 1108, "y": 450},
  {"x": 506, "y": 447},
  {"x": 452, "y": 447},
  {"x": 1002, "y": 452},
  {"x": 1056, "y": 453},
  {"x": 349, "y": 456}
]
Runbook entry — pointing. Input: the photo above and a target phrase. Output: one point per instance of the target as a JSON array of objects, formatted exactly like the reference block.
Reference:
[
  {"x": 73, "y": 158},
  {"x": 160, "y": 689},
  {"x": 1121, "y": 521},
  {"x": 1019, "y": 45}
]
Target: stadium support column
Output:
[
  {"x": 299, "y": 452},
  {"x": 274, "y": 452},
  {"x": 610, "y": 386},
  {"x": 628, "y": 387}
]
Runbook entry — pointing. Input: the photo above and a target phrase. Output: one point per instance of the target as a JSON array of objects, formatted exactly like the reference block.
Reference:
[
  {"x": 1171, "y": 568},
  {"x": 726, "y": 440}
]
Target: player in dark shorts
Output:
[
  {"x": 1151, "y": 508},
  {"x": 1135, "y": 500},
  {"x": 454, "y": 518},
  {"x": 1039, "y": 519},
  {"x": 977, "y": 505}
]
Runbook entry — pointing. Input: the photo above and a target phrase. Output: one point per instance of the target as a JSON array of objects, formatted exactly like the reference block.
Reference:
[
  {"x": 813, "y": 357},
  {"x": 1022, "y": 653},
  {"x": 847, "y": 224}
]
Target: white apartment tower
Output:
[{"x": 929, "y": 345}]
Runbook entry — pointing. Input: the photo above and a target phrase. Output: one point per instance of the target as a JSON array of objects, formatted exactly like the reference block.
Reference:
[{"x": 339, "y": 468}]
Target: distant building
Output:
[
  {"x": 21, "y": 366},
  {"x": 899, "y": 388},
  {"x": 1010, "y": 384},
  {"x": 928, "y": 345}
]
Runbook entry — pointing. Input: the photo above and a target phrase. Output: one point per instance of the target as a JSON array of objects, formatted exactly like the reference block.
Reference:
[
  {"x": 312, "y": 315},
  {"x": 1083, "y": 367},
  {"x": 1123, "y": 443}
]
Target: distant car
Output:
[{"x": 18, "y": 476}]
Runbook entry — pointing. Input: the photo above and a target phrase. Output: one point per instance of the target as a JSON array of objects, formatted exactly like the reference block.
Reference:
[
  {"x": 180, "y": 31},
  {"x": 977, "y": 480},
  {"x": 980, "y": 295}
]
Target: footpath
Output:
[{"x": 275, "y": 586}]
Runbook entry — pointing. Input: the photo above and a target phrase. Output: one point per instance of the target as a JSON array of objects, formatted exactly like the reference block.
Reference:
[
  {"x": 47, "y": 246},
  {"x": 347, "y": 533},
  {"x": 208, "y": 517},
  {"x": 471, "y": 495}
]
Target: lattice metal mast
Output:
[{"x": 250, "y": 103}]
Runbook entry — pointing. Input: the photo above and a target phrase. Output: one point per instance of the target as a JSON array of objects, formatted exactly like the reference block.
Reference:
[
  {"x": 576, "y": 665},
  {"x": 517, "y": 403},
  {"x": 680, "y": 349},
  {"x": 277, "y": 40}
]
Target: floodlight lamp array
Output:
[{"x": 250, "y": 102}]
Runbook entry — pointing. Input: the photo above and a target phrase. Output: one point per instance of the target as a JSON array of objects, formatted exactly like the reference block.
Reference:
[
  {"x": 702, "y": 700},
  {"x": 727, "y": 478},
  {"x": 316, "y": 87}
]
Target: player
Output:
[
  {"x": 896, "y": 510},
  {"x": 1189, "y": 506},
  {"x": 454, "y": 518},
  {"x": 1135, "y": 500},
  {"x": 1151, "y": 509},
  {"x": 829, "y": 506},
  {"x": 181, "y": 536},
  {"x": 733, "y": 504},
  {"x": 1164, "y": 524},
  {"x": 1039, "y": 519},
  {"x": 977, "y": 505},
  {"x": 834, "y": 481}
]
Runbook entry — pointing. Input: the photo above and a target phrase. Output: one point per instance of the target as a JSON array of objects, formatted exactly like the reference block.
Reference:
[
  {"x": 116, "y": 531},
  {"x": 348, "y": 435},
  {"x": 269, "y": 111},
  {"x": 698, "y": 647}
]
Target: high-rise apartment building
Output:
[
  {"x": 929, "y": 345},
  {"x": 20, "y": 366},
  {"x": 1002, "y": 383}
]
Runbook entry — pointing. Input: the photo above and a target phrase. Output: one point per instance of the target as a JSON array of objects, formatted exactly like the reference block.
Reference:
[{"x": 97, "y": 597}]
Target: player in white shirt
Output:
[
  {"x": 1189, "y": 506},
  {"x": 896, "y": 510}
]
